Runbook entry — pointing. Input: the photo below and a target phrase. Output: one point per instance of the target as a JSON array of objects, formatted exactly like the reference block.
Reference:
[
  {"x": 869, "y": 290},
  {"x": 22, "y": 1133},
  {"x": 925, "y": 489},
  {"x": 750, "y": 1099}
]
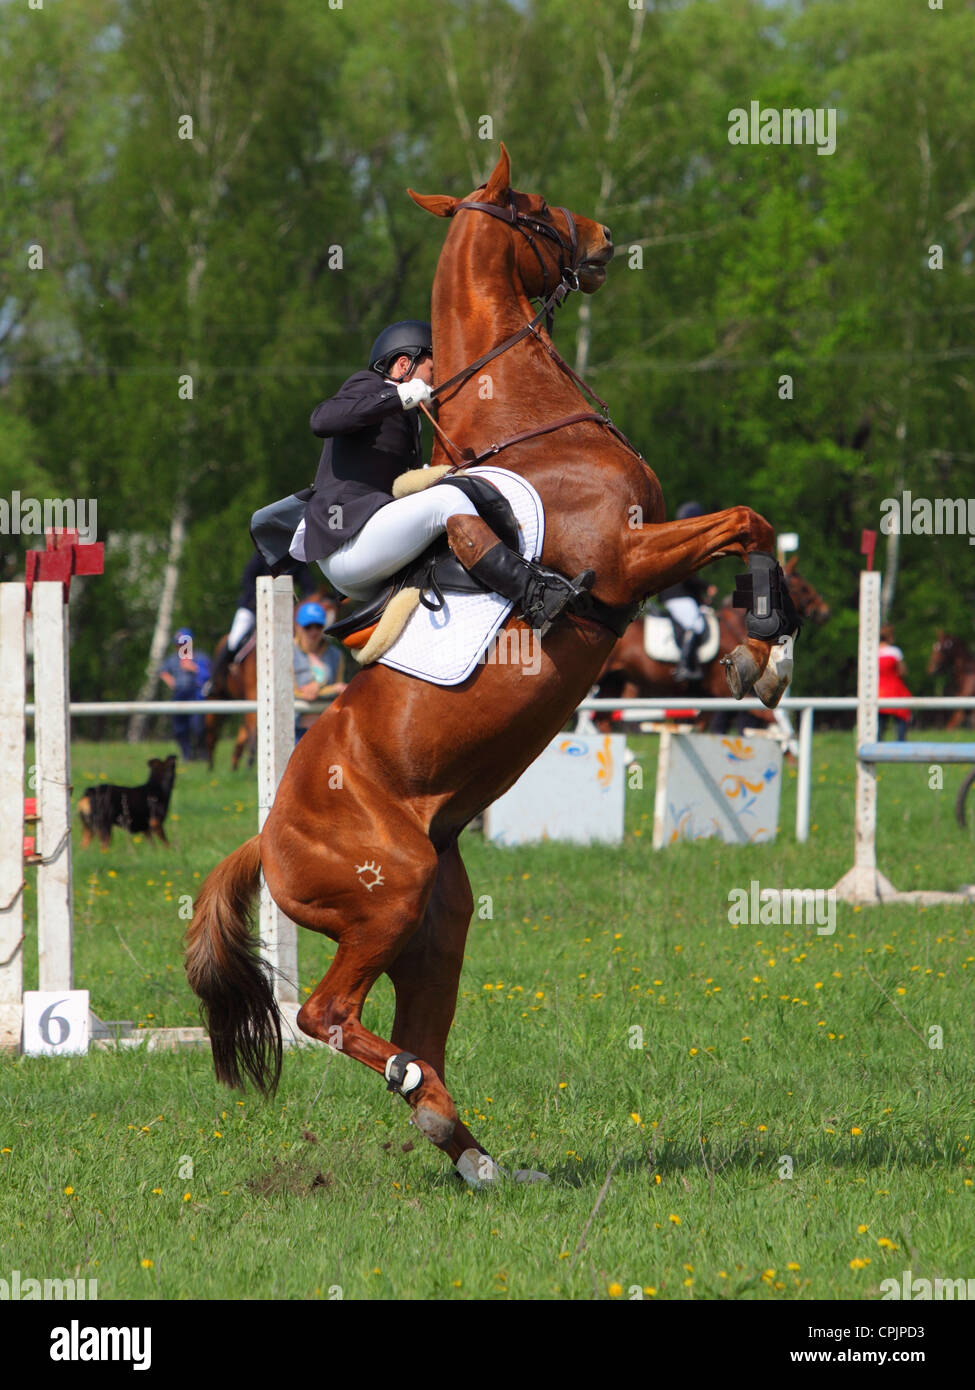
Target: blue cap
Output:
[
  {"x": 183, "y": 634},
  {"x": 310, "y": 613}
]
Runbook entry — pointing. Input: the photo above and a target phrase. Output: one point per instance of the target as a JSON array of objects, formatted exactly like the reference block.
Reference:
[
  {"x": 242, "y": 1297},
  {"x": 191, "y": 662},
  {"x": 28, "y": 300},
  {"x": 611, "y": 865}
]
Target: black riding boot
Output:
[
  {"x": 688, "y": 667},
  {"x": 540, "y": 593}
]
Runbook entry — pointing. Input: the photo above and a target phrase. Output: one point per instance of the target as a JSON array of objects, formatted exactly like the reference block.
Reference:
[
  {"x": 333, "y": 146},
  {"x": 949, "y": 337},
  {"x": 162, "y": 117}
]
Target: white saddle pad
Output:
[
  {"x": 445, "y": 647},
  {"x": 660, "y": 644}
]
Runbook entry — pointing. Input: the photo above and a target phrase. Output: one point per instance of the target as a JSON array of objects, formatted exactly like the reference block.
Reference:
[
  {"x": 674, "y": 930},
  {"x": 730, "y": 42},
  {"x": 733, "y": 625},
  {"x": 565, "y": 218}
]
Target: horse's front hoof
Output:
[
  {"x": 774, "y": 680},
  {"x": 742, "y": 671}
]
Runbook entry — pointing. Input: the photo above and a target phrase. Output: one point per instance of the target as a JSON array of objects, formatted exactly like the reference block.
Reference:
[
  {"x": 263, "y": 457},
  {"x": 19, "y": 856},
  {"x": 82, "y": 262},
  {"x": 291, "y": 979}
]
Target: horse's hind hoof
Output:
[
  {"x": 439, "y": 1129},
  {"x": 477, "y": 1169},
  {"x": 774, "y": 680},
  {"x": 742, "y": 671}
]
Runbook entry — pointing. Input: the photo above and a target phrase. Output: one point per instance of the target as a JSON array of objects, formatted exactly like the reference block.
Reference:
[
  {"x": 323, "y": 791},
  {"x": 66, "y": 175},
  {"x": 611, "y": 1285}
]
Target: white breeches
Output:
[
  {"x": 241, "y": 626},
  {"x": 392, "y": 536},
  {"x": 686, "y": 612}
]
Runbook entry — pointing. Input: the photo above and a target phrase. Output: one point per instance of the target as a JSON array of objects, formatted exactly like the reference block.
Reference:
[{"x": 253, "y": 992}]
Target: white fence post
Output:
[
  {"x": 863, "y": 883},
  {"x": 275, "y": 741},
  {"x": 13, "y": 695},
  {"x": 52, "y": 734},
  {"x": 804, "y": 784}
]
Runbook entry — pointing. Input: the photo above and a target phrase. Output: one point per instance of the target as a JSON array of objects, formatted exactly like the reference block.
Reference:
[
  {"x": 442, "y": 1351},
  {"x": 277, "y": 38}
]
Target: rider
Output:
[
  {"x": 245, "y": 618},
  {"x": 353, "y": 527},
  {"x": 683, "y": 602}
]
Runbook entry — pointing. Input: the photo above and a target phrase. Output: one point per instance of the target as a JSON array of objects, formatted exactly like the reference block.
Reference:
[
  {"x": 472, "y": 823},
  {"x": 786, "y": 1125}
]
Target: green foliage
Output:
[{"x": 214, "y": 257}]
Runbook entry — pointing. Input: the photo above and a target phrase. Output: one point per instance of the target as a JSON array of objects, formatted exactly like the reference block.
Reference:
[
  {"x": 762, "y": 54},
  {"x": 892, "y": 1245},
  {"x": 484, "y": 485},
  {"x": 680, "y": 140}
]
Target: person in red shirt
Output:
[{"x": 893, "y": 669}]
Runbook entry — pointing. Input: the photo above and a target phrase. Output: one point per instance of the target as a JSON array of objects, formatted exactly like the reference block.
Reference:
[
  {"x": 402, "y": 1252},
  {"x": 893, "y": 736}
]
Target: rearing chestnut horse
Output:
[{"x": 374, "y": 863}]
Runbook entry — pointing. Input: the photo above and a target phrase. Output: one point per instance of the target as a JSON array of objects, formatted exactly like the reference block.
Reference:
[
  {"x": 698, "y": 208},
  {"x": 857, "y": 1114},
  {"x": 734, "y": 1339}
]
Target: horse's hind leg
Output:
[
  {"x": 371, "y": 933},
  {"x": 426, "y": 975}
]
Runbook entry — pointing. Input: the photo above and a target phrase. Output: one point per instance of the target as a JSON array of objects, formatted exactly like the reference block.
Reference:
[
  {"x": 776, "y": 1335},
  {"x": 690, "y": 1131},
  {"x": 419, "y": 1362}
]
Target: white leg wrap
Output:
[{"x": 411, "y": 1079}]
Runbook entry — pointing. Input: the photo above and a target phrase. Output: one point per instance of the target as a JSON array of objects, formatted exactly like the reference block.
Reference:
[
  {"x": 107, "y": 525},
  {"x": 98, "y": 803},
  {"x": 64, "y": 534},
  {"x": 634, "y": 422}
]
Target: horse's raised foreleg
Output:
[{"x": 657, "y": 556}]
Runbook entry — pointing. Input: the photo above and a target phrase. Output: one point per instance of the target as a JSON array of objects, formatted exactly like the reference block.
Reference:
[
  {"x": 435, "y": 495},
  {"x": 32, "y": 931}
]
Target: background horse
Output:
[
  {"x": 370, "y": 859},
  {"x": 236, "y": 682},
  {"x": 950, "y": 654},
  {"x": 630, "y": 674}
]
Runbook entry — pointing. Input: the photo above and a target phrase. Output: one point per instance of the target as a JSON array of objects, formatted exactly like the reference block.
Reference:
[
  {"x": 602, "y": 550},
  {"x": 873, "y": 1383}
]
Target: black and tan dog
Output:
[{"x": 137, "y": 809}]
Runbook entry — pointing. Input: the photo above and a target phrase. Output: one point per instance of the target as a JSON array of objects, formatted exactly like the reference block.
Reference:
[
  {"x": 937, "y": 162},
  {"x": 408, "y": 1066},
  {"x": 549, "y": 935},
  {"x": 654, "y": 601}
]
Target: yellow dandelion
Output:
[
  {"x": 859, "y": 1264},
  {"x": 675, "y": 1219},
  {"x": 68, "y": 1191},
  {"x": 793, "y": 1266},
  {"x": 657, "y": 1178},
  {"x": 762, "y": 1129},
  {"x": 563, "y": 1085},
  {"x": 187, "y": 1196},
  {"x": 649, "y": 1290},
  {"x": 635, "y": 1117},
  {"x": 146, "y": 1264},
  {"x": 886, "y": 1244},
  {"x": 693, "y": 1051},
  {"x": 855, "y": 1130},
  {"x": 861, "y": 1230},
  {"x": 157, "y": 1191},
  {"x": 615, "y": 1290}
]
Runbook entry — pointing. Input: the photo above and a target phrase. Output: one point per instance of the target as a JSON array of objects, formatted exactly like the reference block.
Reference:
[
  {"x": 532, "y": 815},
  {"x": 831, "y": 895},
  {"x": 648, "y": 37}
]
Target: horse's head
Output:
[
  {"x": 810, "y": 605},
  {"x": 549, "y": 245},
  {"x": 942, "y": 654}
]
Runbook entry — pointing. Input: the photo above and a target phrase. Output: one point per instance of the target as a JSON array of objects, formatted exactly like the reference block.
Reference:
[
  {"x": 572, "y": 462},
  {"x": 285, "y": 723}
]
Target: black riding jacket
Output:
[{"x": 369, "y": 441}]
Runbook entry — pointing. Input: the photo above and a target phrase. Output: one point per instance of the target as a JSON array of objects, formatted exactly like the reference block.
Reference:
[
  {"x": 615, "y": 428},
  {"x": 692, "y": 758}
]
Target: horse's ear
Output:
[
  {"x": 500, "y": 180},
  {"x": 440, "y": 204},
  {"x": 790, "y": 565}
]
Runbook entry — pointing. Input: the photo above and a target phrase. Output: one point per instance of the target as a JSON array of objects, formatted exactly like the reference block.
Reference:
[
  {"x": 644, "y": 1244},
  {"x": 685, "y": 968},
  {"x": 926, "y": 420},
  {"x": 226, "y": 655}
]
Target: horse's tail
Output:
[{"x": 225, "y": 968}]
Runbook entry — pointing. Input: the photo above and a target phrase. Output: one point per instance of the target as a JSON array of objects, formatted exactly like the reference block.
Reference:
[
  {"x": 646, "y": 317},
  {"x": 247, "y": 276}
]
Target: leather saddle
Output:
[{"x": 436, "y": 571}]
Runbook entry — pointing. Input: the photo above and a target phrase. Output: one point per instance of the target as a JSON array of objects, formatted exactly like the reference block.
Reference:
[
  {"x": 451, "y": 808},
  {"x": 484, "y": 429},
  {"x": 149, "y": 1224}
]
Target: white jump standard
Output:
[{"x": 864, "y": 883}]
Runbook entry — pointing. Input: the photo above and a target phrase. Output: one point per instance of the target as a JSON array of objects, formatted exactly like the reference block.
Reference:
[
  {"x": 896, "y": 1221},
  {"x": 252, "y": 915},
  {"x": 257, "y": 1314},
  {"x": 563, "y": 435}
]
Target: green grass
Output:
[{"x": 758, "y": 1043}]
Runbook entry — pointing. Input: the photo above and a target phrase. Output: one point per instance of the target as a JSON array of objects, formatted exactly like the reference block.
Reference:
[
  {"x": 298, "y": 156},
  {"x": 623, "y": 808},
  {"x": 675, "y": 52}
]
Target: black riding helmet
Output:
[
  {"x": 686, "y": 510},
  {"x": 410, "y": 338}
]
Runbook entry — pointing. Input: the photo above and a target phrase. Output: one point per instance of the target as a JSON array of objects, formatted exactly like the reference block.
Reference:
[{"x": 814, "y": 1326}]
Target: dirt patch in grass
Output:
[{"x": 298, "y": 1179}]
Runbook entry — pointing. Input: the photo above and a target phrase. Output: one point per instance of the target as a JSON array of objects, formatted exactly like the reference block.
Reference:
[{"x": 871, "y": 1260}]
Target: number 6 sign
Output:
[{"x": 55, "y": 1022}]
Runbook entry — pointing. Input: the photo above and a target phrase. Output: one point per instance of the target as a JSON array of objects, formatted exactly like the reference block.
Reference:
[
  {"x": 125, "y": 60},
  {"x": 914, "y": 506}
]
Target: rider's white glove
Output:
[{"x": 412, "y": 393}]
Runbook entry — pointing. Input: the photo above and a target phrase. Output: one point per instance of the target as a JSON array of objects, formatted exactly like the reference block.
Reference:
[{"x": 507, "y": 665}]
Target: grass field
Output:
[{"x": 765, "y": 1050}]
